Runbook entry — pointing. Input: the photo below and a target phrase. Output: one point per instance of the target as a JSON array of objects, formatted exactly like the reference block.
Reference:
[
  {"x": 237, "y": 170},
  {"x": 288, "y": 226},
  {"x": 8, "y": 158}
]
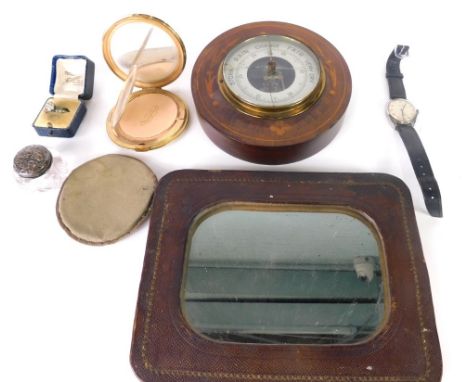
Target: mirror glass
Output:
[
  {"x": 283, "y": 275},
  {"x": 147, "y": 46}
]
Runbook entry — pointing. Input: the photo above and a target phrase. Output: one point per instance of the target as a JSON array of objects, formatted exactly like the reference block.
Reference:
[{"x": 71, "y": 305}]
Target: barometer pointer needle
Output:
[{"x": 270, "y": 69}]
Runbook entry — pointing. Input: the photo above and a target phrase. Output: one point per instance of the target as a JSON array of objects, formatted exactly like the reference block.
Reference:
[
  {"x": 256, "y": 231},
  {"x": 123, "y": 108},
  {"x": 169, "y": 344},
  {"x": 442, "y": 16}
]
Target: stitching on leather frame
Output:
[
  {"x": 266, "y": 377},
  {"x": 150, "y": 294}
]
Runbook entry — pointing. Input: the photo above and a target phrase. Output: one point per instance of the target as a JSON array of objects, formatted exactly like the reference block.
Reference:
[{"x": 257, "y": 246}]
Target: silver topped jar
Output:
[{"x": 39, "y": 168}]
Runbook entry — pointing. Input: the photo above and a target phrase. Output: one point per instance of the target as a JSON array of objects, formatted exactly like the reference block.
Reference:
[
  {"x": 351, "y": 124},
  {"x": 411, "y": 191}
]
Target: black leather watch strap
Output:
[
  {"x": 422, "y": 169},
  {"x": 394, "y": 75}
]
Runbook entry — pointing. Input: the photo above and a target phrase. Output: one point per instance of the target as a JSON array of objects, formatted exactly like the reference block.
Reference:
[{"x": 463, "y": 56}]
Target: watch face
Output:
[
  {"x": 271, "y": 71},
  {"x": 401, "y": 111}
]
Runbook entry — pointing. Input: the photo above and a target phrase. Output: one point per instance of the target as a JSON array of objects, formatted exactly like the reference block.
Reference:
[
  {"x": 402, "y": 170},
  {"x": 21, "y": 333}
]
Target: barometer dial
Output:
[
  {"x": 271, "y": 71},
  {"x": 271, "y": 75}
]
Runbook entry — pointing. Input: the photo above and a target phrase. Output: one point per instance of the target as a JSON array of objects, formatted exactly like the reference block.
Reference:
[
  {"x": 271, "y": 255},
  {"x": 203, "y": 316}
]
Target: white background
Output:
[{"x": 66, "y": 309}]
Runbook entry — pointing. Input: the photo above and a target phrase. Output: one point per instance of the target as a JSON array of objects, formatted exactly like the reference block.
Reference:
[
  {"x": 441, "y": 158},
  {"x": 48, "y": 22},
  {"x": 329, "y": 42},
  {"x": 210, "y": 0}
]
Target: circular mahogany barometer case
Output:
[{"x": 271, "y": 92}]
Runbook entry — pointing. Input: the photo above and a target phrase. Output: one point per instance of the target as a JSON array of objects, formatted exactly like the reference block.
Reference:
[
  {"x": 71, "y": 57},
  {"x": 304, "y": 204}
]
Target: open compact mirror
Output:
[{"x": 147, "y": 53}]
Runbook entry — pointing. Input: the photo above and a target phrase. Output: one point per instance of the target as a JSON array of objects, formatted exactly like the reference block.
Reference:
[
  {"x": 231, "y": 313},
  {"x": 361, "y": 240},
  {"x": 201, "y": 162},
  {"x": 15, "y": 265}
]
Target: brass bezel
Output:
[
  {"x": 177, "y": 127},
  {"x": 272, "y": 112},
  {"x": 157, "y": 23}
]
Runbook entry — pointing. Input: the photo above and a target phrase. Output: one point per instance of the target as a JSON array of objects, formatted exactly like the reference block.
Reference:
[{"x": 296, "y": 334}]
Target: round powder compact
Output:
[
  {"x": 106, "y": 198},
  {"x": 146, "y": 53}
]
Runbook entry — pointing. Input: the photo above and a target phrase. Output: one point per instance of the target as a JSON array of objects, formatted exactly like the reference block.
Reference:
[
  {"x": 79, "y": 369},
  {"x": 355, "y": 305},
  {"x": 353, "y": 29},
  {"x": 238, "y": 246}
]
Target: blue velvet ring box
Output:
[{"x": 71, "y": 83}]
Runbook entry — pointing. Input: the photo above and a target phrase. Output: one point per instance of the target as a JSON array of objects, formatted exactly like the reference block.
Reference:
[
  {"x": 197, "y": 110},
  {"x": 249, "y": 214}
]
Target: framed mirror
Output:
[{"x": 270, "y": 276}]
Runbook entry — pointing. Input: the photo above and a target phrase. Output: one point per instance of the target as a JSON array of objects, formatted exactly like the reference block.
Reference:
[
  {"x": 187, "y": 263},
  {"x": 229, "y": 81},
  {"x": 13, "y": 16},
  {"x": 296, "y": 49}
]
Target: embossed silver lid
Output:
[{"x": 32, "y": 161}]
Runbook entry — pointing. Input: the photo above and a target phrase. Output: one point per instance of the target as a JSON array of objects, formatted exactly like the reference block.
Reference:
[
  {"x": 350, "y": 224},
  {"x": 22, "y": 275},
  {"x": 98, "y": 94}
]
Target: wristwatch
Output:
[{"x": 403, "y": 114}]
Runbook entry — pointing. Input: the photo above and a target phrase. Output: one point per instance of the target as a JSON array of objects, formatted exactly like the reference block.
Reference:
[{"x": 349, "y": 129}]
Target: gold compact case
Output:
[{"x": 147, "y": 53}]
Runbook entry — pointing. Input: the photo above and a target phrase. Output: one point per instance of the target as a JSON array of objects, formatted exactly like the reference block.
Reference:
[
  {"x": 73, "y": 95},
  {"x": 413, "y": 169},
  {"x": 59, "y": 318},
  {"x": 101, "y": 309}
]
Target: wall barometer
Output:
[{"x": 271, "y": 92}]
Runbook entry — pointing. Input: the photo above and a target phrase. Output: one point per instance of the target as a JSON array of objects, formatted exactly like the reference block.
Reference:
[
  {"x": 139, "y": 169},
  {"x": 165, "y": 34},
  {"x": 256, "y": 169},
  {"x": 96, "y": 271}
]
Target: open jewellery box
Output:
[
  {"x": 270, "y": 276},
  {"x": 71, "y": 83}
]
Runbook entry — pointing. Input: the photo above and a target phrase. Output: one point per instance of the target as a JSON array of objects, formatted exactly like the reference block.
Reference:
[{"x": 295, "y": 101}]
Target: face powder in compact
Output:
[{"x": 148, "y": 116}]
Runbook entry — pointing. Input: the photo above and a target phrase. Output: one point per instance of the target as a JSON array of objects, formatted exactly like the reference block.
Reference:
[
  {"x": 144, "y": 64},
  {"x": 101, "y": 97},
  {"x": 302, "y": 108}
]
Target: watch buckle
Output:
[{"x": 401, "y": 51}]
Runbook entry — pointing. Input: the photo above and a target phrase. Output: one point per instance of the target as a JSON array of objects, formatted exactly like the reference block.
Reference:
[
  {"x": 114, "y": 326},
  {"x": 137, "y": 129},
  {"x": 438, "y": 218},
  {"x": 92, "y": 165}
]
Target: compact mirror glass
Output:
[
  {"x": 283, "y": 274},
  {"x": 150, "y": 45}
]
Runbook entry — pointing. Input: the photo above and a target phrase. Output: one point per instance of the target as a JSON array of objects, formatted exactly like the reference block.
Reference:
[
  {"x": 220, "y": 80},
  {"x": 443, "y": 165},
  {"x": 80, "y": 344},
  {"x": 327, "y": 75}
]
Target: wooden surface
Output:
[{"x": 265, "y": 140}]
